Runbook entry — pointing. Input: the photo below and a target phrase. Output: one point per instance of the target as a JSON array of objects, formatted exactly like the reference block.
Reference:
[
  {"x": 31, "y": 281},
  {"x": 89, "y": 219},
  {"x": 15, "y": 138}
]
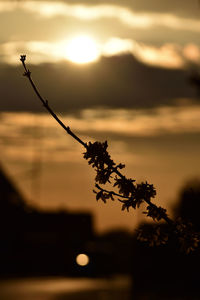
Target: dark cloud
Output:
[{"x": 115, "y": 82}]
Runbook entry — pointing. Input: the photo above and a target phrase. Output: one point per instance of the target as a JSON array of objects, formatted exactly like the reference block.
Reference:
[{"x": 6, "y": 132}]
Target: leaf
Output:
[{"x": 99, "y": 195}]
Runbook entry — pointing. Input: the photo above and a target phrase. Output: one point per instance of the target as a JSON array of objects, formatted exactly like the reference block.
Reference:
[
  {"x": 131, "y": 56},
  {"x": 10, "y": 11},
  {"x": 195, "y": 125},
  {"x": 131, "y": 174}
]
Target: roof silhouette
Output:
[{"x": 11, "y": 199}]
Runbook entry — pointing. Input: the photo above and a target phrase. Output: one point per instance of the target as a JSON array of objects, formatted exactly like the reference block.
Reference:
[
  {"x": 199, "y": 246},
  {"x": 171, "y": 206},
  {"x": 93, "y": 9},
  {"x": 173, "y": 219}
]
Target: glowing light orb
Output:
[
  {"x": 82, "y": 259},
  {"x": 82, "y": 50}
]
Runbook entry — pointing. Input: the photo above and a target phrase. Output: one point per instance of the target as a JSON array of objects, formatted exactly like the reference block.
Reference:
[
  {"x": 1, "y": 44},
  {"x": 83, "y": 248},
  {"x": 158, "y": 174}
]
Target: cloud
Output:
[
  {"x": 124, "y": 14},
  {"x": 115, "y": 46},
  {"x": 85, "y": 12},
  {"x": 192, "y": 53},
  {"x": 185, "y": 8},
  {"x": 39, "y": 132},
  {"x": 166, "y": 56},
  {"x": 154, "y": 34},
  {"x": 142, "y": 122},
  {"x": 112, "y": 82},
  {"x": 6, "y": 6},
  {"x": 39, "y": 51},
  {"x": 44, "y": 133}
]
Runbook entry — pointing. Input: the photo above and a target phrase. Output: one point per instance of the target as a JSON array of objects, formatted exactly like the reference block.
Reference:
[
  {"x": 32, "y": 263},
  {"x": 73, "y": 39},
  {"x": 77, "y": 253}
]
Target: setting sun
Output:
[{"x": 82, "y": 50}]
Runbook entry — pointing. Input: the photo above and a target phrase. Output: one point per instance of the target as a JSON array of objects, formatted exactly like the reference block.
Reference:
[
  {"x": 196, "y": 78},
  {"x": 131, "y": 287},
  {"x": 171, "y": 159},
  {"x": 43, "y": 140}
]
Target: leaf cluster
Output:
[
  {"x": 104, "y": 195},
  {"x": 181, "y": 233},
  {"x": 132, "y": 195},
  {"x": 155, "y": 212},
  {"x": 99, "y": 158}
]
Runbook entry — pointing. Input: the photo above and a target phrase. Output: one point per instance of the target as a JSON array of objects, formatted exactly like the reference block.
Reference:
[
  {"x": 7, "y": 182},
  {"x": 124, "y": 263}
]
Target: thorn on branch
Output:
[
  {"x": 27, "y": 73},
  {"x": 46, "y": 103}
]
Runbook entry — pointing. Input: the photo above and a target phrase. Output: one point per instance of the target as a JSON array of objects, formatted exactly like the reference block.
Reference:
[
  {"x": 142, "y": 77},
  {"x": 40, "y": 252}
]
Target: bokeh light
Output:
[{"x": 82, "y": 259}]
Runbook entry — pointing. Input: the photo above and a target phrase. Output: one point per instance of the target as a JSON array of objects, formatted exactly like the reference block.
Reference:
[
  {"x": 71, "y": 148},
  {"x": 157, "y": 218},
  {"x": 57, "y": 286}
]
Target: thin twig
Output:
[
  {"x": 46, "y": 105},
  {"x": 148, "y": 201},
  {"x": 111, "y": 192}
]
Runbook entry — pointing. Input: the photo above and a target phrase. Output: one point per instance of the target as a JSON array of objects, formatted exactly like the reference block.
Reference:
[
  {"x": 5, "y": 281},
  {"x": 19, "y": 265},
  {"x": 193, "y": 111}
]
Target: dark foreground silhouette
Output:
[
  {"x": 163, "y": 272},
  {"x": 35, "y": 243}
]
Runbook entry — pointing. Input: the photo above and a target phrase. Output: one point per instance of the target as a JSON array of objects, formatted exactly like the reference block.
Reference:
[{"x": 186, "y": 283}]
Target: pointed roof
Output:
[{"x": 10, "y": 197}]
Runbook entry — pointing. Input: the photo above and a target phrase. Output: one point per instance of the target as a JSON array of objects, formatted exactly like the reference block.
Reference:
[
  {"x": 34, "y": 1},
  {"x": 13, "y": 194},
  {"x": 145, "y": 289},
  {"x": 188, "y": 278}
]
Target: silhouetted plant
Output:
[{"x": 127, "y": 191}]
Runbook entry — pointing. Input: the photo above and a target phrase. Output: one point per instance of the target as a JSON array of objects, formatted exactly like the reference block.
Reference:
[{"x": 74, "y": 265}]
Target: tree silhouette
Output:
[
  {"x": 188, "y": 200},
  {"x": 125, "y": 190},
  {"x": 163, "y": 272}
]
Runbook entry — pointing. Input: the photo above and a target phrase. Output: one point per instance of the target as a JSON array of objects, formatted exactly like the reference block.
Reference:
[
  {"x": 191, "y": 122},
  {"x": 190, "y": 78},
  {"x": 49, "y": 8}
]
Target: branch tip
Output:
[{"x": 23, "y": 58}]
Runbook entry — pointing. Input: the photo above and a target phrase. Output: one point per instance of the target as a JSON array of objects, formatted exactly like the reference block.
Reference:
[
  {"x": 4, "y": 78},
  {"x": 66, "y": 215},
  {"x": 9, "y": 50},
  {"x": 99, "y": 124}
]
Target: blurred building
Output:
[{"x": 35, "y": 242}]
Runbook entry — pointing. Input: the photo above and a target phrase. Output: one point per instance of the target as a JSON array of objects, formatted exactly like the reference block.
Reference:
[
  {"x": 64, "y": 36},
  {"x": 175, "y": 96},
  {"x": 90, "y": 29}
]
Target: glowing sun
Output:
[{"x": 82, "y": 50}]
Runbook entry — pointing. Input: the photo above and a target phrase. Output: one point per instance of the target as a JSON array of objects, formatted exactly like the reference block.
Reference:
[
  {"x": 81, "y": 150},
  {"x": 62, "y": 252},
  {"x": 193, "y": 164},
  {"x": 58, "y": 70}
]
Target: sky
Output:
[{"x": 112, "y": 70}]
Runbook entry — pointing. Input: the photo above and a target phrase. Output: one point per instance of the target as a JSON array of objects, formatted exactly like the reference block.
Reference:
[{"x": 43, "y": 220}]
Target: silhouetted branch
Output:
[
  {"x": 27, "y": 73},
  {"x": 131, "y": 194}
]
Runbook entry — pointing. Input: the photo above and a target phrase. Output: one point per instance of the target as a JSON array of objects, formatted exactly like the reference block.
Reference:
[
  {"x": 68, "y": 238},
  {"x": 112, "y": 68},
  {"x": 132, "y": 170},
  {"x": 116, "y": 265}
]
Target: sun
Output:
[{"x": 82, "y": 50}]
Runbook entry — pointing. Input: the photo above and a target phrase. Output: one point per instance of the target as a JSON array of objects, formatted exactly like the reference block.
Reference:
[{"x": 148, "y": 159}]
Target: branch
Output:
[
  {"x": 27, "y": 73},
  {"x": 157, "y": 213},
  {"x": 111, "y": 192},
  {"x": 131, "y": 194}
]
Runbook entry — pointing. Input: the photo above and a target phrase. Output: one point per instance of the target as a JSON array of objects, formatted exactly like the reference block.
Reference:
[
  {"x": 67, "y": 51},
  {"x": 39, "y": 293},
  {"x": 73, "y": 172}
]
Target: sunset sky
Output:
[{"x": 112, "y": 70}]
